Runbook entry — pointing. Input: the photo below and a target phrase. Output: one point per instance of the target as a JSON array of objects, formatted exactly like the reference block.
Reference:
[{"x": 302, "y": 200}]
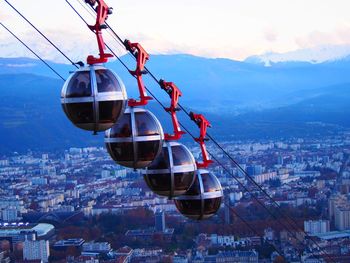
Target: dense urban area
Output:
[{"x": 78, "y": 206}]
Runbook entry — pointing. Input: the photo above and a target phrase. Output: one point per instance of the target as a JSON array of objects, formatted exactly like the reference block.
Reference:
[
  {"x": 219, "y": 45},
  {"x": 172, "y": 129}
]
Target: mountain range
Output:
[
  {"x": 241, "y": 99},
  {"x": 317, "y": 54}
]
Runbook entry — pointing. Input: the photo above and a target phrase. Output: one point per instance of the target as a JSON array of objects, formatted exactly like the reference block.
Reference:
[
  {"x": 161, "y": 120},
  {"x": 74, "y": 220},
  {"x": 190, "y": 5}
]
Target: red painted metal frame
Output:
[
  {"x": 141, "y": 58},
  {"x": 174, "y": 94},
  {"x": 102, "y": 11},
  {"x": 203, "y": 124}
]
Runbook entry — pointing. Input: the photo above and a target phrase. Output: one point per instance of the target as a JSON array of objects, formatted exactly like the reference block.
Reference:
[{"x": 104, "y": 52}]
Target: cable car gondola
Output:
[
  {"x": 172, "y": 172},
  {"x": 136, "y": 139},
  {"x": 203, "y": 199},
  {"x": 93, "y": 98}
]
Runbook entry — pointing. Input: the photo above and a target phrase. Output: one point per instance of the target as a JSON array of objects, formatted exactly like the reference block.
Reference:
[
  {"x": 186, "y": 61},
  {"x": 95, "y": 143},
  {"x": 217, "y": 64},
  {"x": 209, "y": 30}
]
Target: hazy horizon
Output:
[{"x": 225, "y": 29}]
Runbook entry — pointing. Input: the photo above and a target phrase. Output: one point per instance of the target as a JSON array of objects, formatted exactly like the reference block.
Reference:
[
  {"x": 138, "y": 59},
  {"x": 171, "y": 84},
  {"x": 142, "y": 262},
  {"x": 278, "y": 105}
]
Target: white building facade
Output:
[{"x": 36, "y": 250}]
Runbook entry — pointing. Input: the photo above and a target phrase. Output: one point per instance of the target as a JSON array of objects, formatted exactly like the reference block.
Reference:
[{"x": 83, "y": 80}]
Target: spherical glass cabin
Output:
[
  {"x": 93, "y": 98},
  {"x": 136, "y": 139},
  {"x": 172, "y": 172},
  {"x": 203, "y": 199}
]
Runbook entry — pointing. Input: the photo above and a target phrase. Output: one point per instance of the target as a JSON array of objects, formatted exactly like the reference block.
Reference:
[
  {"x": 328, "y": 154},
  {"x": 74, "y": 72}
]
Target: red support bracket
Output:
[
  {"x": 203, "y": 124},
  {"x": 141, "y": 58},
  {"x": 174, "y": 94},
  {"x": 102, "y": 11}
]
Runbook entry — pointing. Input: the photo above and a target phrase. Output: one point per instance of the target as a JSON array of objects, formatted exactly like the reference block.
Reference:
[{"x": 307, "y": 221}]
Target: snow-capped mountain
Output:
[{"x": 313, "y": 55}]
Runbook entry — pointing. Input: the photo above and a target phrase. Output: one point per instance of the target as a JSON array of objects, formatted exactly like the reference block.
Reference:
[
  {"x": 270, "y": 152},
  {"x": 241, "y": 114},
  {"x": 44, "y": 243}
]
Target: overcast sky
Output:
[{"x": 232, "y": 29}]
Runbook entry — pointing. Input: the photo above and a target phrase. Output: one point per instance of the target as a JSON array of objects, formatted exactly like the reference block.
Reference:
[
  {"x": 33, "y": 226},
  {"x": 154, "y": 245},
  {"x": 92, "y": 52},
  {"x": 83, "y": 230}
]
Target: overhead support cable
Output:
[
  {"x": 289, "y": 219},
  {"x": 215, "y": 142},
  {"x": 295, "y": 226},
  {"x": 253, "y": 230},
  {"x": 32, "y": 25},
  {"x": 86, "y": 23},
  {"x": 32, "y": 51}
]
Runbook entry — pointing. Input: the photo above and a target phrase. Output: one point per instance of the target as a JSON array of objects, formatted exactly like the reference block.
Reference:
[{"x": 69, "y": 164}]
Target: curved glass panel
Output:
[
  {"x": 195, "y": 188},
  {"x": 122, "y": 151},
  {"x": 180, "y": 155},
  {"x": 189, "y": 207},
  {"x": 183, "y": 181},
  {"x": 147, "y": 151},
  {"x": 212, "y": 205},
  {"x": 162, "y": 160},
  {"x": 109, "y": 111},
  {"x": 210, "y": 183},
  {"x": 159, "y": 182},
  {"x": 106, "y": 81},
  {"x": 79, "y": 85},
  {"x": 145, "y": 124},
  {"x": 80, "y": 112},
  {"x": 122, "y": 128}
]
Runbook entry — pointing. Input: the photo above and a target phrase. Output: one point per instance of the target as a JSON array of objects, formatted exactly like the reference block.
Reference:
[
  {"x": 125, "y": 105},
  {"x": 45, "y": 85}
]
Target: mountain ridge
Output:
[
  {"x": 240, "y": 98},
  {"x": 32, "y": 117},
  {"x": 223, "y": 84},
  {"x": 315, "y": 55}
]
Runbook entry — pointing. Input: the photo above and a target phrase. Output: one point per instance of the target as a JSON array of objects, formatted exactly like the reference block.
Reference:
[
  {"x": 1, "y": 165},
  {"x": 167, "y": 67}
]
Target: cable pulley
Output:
[
  {"x": 102, "y": 11},
  {"x": 174, "y": 94},
  {"x": 141, "y": 58},
  {"x": 203, "y": 124}
]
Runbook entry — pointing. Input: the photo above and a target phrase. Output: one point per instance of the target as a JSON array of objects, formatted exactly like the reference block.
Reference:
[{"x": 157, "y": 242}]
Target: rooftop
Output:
[
  {"x": 43, "y": 229},
  {"x": 148, "y": 232},
  {"x": 334, "y": 235},
  {"x": 13, "y": 229},
  {"x": 69, "y": 242}
]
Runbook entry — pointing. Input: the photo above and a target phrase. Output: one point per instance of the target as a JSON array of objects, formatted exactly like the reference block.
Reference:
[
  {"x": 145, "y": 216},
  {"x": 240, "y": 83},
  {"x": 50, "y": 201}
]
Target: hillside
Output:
[
  {"x": 216, "y": 84},
  {"x": 315, "y": 106}
]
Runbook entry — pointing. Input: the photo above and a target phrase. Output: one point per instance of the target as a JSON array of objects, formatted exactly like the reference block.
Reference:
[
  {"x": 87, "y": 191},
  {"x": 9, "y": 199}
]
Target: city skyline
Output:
[{"x": 59, "y": 187}]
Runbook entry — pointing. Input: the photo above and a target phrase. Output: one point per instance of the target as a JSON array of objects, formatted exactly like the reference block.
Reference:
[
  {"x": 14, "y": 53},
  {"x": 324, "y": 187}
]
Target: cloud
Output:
[
  {"x": 75, "y": 45},
  {"x": 157, "y": 44},
  {"x": 270, "y": 35},
  {"x": 4, "y": 16},
  {"x": 338, "y": 36}
]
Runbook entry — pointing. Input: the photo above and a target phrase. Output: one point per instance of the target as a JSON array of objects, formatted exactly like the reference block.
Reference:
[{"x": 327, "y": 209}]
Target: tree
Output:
[
  {"x": 275, "y": 183},
  {"x": 279, "y": 259}
]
